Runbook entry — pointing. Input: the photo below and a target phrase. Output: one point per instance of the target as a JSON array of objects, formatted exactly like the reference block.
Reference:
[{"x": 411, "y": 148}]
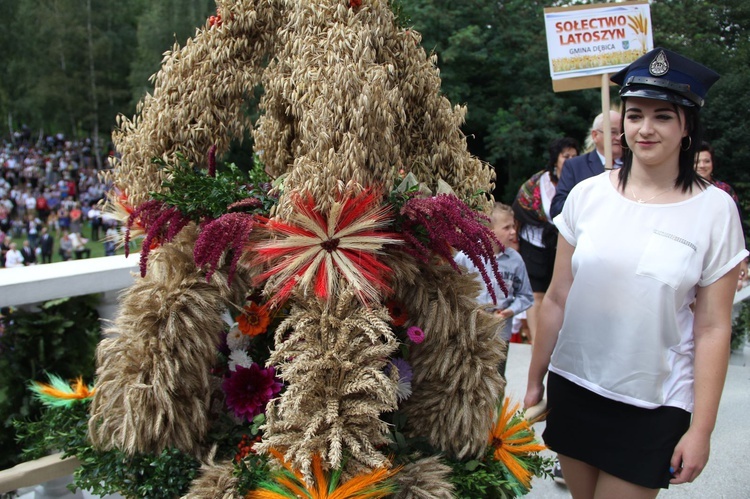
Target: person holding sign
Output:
[{"x": 634, "y": 373}]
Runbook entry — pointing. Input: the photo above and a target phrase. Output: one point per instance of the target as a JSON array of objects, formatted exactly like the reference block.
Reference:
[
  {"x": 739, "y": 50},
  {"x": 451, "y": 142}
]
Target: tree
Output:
[
  {"x": 493, "y": 58},
  {"x": 66, "y": 73},
  {"x": 716, "y": 33},
  {"x": 159, "y": 26}
]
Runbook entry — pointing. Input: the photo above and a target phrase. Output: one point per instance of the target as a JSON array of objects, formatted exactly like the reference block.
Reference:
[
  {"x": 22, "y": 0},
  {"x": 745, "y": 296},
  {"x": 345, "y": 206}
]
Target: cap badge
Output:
[{"x": 660, "y": 65}]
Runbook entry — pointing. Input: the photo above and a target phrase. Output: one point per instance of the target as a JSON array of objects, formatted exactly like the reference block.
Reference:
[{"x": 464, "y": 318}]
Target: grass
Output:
[{"x": 96, "y": 246}]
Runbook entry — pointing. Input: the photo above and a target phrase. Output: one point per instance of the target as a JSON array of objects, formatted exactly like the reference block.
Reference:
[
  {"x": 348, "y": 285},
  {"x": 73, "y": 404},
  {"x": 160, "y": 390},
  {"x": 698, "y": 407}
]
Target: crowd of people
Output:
[{"x": 50, "y": 193}]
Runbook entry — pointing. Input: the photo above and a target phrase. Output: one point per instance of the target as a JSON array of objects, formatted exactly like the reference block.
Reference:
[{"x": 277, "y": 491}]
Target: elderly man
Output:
[{"x": 587, "y": 165}]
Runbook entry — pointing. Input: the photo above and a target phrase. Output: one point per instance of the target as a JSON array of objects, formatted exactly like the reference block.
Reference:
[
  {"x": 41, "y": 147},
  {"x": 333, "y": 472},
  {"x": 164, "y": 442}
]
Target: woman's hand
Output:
[
  {"x": 534, "y": 395},
  {"x": 690, "y": 456}
]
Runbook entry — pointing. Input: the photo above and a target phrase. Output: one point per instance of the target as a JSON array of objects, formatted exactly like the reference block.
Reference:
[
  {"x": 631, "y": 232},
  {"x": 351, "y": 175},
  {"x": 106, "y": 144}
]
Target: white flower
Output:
[
  {"x": 236, "y": 340},
  {"x": 239, "y": 358}
]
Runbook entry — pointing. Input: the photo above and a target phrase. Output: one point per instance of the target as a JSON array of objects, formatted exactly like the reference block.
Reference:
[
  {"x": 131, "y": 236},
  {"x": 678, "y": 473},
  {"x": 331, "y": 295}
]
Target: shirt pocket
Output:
[{"x": 666, "y": 258}]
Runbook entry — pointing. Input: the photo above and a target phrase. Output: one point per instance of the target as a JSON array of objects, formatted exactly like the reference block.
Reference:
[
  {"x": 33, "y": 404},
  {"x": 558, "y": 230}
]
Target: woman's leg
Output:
[
  {"x": 611, "y": 486},
  {"x": 581, "y": 478}
]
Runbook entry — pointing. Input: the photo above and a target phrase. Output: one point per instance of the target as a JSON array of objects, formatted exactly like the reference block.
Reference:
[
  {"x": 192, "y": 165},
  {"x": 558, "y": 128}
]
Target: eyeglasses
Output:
[{"x": 614, "y": 132}]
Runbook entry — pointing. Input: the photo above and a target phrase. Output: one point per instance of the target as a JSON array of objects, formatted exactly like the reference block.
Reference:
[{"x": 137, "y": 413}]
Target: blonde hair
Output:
[{"x": 500, "y": 209}]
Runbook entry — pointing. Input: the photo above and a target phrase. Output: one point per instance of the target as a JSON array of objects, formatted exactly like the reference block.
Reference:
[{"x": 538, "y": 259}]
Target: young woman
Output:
[{"x": 635, "y": 373}]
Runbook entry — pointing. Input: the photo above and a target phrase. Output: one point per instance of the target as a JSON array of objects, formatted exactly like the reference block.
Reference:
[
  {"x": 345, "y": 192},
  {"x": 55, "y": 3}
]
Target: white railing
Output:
[{"x": 33, "y": 285}]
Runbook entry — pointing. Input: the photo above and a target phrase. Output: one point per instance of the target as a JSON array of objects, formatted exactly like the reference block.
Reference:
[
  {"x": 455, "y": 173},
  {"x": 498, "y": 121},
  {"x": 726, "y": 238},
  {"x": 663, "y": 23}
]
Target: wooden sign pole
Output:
[{"x": 606, "y": 125}]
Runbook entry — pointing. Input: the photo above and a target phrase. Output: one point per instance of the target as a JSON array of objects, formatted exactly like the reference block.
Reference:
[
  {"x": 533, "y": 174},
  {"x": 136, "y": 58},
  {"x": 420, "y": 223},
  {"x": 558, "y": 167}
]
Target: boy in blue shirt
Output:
[{"x": 513, "y": 271}]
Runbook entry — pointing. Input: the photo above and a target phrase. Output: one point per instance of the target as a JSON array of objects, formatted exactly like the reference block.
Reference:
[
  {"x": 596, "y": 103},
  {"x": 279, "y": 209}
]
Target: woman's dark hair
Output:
[
  {"x": 687, "y": 176},
  {"x": 556, "y": 146}
]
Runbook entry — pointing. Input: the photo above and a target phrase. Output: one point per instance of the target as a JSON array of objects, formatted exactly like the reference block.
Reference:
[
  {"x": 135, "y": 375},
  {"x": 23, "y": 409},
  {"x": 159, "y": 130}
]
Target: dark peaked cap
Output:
[{"x": 665, "y": 75}]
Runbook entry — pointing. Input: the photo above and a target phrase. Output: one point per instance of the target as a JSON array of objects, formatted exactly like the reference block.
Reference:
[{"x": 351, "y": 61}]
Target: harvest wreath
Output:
[{"x": 354, "y": 361}]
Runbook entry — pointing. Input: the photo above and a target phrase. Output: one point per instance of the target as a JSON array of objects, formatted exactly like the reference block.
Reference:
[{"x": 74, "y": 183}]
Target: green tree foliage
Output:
[
  {"x": 159, "y": 26},
  {"x": 74, "y": 66},
  {"x": 66, "y": 72},
  {"x": 716, "y": 32},
  {"x": 493, "y": 59}
]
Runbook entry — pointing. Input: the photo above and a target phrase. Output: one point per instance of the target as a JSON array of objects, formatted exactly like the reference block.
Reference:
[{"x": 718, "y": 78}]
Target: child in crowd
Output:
[{"x": 513, "y": 271}]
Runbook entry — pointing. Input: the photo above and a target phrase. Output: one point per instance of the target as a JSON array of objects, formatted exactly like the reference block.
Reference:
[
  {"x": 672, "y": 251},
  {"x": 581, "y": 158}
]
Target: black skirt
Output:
[
  {"x": 540, "y": 263},
  {"x": 631, "y": 443}
]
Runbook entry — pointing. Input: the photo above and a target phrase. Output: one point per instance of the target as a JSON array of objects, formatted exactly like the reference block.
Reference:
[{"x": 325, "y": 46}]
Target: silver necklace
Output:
[{"x": 642, "y": 201}]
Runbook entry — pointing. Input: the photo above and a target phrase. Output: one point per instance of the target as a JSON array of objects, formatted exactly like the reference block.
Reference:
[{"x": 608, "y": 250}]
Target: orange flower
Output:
[
  {"x": 253, "y": 320},
  {"x": 288, "y": 482},
  {"x": 513, "y": 439}
]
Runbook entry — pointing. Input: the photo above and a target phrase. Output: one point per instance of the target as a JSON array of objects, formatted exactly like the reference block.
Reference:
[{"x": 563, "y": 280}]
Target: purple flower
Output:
[
  {"x": 248, "y": 390},
  {"x": 415, "y": 334},
  {"x": 403, "y": 387}
]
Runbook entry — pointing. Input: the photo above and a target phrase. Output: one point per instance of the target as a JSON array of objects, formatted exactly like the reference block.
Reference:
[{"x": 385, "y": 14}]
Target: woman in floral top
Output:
[{"x": 537, "y": 235}]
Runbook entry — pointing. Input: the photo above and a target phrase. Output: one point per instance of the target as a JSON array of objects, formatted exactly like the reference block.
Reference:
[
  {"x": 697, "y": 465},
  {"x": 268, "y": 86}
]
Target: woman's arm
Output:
[
  {"x": 550, "y": 321},
  {"x": 712, "y": 331}
]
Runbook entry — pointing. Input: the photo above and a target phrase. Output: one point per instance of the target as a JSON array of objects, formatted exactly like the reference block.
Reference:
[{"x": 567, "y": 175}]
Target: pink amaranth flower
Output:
[
  {"x": 212, "y": 158},
  {"x": 415, "y": 334},
  {"x": 161, "y": 224},
  {"x": 229, "y": 232},
  {"x": 434, "y": 225},
  {"x": 249, "y": 389}
]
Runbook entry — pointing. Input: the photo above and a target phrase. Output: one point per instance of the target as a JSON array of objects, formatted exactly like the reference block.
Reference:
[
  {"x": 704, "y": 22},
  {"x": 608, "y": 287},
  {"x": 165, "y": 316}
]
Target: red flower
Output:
[
  {"x": 249, "y": 389},
  {"x": 215, "y": 20},
  {"x": 397, "y": 312},
  {"x": 355, "y": 3},
  {"x": 245, "y": 447}
]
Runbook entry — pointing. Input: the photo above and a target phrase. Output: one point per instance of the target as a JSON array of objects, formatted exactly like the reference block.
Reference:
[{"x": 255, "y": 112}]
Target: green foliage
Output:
[
  {"x": 490, "y": 479},
  {"x": 716, "y": 33},
  {"x": 485, "y": 477},
  {"x": 199, "y": 196},
  {"x": 250, "y": 472},
  {"x": 480, "y": 479},
  {"x": 166, "y": 475},
  {"x": 60, "y": 337},
  {"x": 741, "y": 326},
  {"x": 159, "y": 25}
]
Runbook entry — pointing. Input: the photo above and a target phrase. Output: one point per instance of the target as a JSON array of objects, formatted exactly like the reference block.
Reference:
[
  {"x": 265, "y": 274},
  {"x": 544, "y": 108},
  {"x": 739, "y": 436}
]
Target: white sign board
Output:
[{"x": 588, "y": 40}]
